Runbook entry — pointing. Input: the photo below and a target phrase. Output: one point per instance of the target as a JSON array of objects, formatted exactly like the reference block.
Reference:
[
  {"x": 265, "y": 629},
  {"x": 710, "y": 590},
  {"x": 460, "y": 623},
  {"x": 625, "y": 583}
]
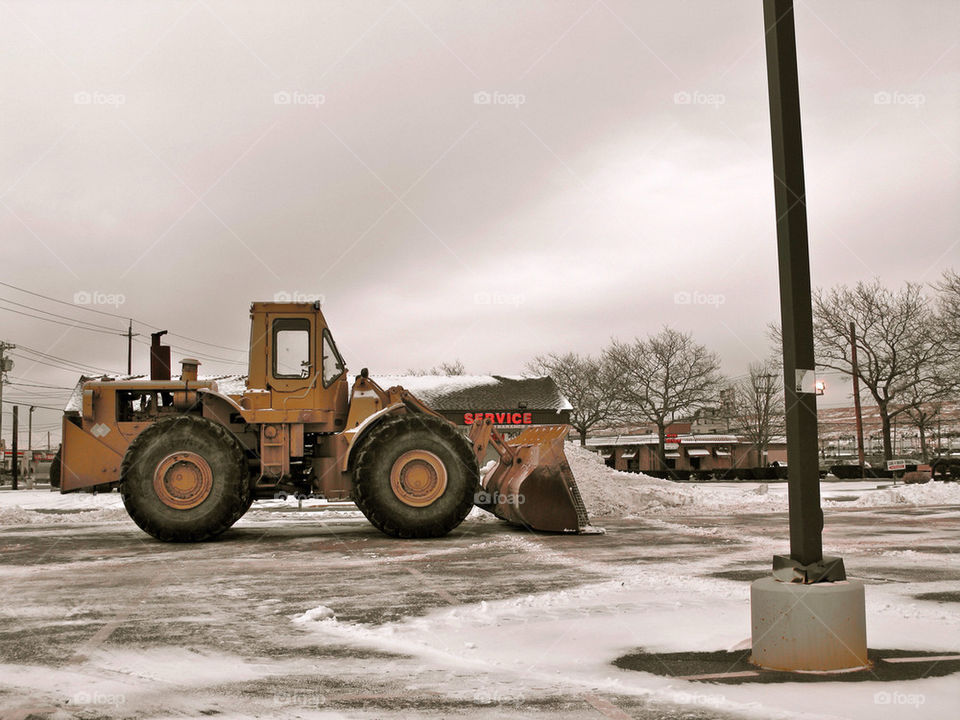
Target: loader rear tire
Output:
[
  {"x": 184, "y": 479},
  {"x": 243, "y": 509},
  {"x": 440, "y": 461}
]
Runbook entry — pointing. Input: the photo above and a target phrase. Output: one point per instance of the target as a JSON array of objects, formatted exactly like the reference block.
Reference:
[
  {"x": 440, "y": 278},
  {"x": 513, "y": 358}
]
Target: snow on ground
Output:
[
  {"x": 931, "y": 493},
  {"x": 563, "y": 640},
  {"x": 310, "y": 612},
  {"x": 607, "y": 493},
  {"x": 33, "y": 507}
]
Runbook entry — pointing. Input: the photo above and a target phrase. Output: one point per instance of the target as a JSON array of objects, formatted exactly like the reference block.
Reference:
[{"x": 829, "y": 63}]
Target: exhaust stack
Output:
[{"x": 159, "y": 357}]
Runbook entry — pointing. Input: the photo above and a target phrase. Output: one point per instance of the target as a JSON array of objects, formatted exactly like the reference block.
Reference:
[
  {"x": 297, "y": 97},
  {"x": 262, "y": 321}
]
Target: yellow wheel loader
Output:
[{"x": 189, "y": 459}]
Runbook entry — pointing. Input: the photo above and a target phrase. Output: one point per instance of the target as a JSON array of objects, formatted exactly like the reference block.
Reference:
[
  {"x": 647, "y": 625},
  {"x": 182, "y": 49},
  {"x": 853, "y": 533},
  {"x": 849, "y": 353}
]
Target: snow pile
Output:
[
  {"x": 931, "y": 493},
  {"x": 611, "y": 493},
  {"x": 16, "y": 515}
]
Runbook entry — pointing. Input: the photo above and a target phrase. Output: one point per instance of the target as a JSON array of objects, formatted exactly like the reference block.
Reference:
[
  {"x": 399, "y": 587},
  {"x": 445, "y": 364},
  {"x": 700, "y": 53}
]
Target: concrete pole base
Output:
[{"x": 797, "y": 627}]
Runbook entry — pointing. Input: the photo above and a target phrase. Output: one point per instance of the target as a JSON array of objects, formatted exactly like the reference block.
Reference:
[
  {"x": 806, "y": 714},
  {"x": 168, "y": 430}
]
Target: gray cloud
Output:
[{"x": 636, "y": 167}]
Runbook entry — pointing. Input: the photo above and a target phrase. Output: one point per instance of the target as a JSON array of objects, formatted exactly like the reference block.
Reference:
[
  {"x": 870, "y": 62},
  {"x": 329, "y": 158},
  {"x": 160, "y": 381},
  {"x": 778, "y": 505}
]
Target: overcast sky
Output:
[{"x": 476, "y": 180}]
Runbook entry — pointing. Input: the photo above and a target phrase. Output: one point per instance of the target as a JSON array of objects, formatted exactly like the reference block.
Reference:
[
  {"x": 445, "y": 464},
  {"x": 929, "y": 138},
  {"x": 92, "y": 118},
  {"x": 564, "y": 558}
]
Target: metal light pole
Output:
[
  {"x": 801, "y": 619},
  {"x": 29, "y": 456},
  {"x": 796, "y": 313}
]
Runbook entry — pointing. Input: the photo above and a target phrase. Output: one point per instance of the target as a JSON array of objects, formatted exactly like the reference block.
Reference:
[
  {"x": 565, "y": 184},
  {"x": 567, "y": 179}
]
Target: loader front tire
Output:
[
  {"x": 415, "y": 477},
  {"x": 184, "y": 479}
]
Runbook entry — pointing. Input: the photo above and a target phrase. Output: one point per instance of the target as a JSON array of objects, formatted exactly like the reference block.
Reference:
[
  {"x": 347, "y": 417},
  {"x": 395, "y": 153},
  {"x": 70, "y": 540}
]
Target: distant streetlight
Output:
[{"x": 820, "y": 386}]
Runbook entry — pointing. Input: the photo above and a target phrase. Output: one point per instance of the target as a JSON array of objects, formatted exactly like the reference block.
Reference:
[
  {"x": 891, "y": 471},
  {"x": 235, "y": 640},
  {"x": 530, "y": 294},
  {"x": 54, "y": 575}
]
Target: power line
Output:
[
  {"x": 103, "y": 329},
  {"x": 58, "y": 322},
  {"x": 62, "y": 302},
  {"x": 45, "y": 407},
  {"x": 46, "y": 312},
  {"x": 58, "y": 366},
  {"x": 17, "y": 381},
  {"x": 200, "y": 355},
  {"x": 116, "y": 315},
  {"x": 63, "y": 360}
]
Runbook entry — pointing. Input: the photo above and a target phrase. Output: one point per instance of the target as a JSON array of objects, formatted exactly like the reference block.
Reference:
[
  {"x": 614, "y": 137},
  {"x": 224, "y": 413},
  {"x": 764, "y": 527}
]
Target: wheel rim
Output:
[
  {"x": 183, "y": 480},
  {"x": 418, "y": 478}
]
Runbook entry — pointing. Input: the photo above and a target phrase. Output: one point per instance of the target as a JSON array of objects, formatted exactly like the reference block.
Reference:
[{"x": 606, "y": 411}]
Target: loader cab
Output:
[{"x": 295, "y": 366}]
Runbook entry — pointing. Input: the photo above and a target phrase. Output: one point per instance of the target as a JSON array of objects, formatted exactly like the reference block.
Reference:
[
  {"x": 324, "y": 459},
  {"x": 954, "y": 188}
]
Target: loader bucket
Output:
[{"x": 532, "y": 484}]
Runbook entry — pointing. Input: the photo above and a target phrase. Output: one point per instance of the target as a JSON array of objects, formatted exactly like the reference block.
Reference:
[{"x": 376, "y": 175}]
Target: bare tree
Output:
[
  {"x": 924, "y": 415},
  {"x": 444, "y": 368},
  {"x": 948, "y": 307},
  {"x": 923, "y": 402},
  {"x": 590, "y": 384},
  {"x": 947, "y": 326},
  {"x": 896, "y": 345},
  {"x": 665, "y": 376},
  {"x": 758, "y": 412}
]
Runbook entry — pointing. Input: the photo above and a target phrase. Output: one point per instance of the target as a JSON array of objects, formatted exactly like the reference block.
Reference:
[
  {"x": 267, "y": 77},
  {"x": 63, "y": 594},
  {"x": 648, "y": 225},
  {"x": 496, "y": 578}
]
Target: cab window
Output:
[
  {"x": 291, "y": 348},
  {"x": 333, "y": 366}
]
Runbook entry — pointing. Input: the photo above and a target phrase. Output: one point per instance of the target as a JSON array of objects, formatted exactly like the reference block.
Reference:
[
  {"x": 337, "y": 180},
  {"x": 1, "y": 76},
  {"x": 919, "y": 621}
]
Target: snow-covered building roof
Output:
[
  {"x": 444, "y": 393},
  {"x": 480, "y": 392}
]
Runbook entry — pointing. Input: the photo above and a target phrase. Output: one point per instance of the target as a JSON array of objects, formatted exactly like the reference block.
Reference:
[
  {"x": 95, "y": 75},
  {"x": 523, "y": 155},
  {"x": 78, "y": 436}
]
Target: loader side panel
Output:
[{"x": 86, "y": 461}]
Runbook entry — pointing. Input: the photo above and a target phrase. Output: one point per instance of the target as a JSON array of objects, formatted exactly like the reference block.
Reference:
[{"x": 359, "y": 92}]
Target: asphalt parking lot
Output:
[{"x": 100, "y": 620}]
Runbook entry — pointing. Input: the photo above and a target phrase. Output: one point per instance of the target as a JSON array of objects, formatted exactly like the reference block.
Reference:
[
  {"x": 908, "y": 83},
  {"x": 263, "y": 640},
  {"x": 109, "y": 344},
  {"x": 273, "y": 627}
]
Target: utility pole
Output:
[
  {"x": 856, "y": 394},
  {"x": 29, "y": 455},
  {"x": 14, "y": 465},
  {"x": 6, "y": 365},
  {"x": 130, "y": 348}
]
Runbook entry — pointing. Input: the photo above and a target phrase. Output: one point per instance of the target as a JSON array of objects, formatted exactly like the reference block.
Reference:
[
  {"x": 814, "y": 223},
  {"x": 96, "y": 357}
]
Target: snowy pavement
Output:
[{"x": 312, "y": 613}]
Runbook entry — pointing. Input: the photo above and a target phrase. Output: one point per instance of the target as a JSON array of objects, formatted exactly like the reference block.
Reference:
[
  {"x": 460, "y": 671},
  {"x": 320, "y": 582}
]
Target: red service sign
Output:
[{"x": 499, "y": 418}]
